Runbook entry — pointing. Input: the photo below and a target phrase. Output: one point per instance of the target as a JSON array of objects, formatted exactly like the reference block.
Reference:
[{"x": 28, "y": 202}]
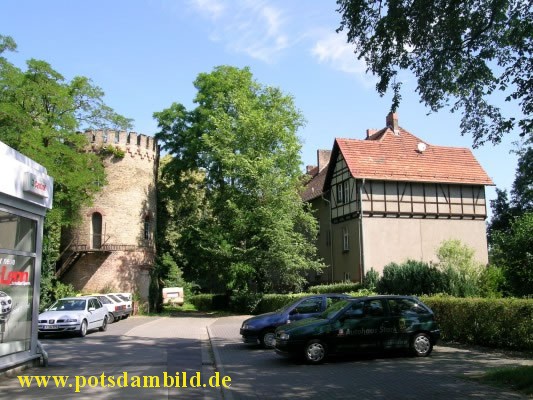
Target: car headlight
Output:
[
  {"x": 246, "y": 326},
  {"x": 284, "y": 336},
  {"x": 71, "y": 320}
]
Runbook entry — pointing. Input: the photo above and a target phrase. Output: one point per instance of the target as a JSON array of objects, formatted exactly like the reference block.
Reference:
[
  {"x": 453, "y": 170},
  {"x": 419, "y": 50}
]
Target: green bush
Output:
[
  {"x": 502, "y": 323},
  {"x": 362, "y": 292},
  {"x": 202, "y": 302},
  {"x": 371, "y": 279},
  {"x": 343, "y": 287},
  {"x": 244, "y": 302},
  {"x": 411, "y": 277},
  {"x": 273, "y": 302},
  {"x": 491, "y": 282},
  {"x": 461, "y": 270}
]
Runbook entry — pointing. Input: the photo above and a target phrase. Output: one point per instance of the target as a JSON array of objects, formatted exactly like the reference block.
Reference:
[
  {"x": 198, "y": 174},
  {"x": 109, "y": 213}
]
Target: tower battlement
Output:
[{"x": 132, "y": 143}]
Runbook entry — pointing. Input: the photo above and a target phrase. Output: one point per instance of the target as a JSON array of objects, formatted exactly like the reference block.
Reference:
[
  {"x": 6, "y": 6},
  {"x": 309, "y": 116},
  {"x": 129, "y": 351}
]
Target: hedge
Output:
[
  {"x": 502, "y": 323},
  {"x": 251, "y": 303},
  {"x": 345, "y": 287}
]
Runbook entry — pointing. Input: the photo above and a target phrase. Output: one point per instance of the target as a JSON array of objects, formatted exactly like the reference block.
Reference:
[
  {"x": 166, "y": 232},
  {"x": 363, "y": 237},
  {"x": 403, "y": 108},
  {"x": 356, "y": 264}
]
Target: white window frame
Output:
[
  {"x": 345, "y": 239},
  {"x": 340, "y": 193}
]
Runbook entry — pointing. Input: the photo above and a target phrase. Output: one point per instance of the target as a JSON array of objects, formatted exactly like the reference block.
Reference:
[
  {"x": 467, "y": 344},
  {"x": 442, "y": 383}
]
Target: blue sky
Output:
[{"x": 145, "y": 54}]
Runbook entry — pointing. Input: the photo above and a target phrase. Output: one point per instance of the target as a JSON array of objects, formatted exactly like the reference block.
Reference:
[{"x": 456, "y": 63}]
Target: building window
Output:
[
  {"x": 345, "y": 239},
  {"x": 96, "y": 230},
  {"x": 343, "y": 192},
  {"x": 117, "y": 137},
  {"x": 347, "y": 277},
  {"x": 147, "y": 228},
  {"x": 340, "y": 193},
  {"x": 346, "y": 190}
]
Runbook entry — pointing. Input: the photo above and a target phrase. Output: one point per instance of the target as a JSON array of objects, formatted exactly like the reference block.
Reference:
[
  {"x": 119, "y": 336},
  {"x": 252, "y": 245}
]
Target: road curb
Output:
[{"x": 226, "y": 392}]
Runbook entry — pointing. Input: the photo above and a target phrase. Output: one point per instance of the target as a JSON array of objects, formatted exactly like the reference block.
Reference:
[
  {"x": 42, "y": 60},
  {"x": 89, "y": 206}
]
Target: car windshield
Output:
[
  {"x": 285, "y": 307},
  {"x": 68, "y": 305},
  {"x": 334, "y": 309}
]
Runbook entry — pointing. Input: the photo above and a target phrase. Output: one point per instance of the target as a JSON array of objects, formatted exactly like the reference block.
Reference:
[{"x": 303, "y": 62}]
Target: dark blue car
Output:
[{"x": 260, "y": 329}]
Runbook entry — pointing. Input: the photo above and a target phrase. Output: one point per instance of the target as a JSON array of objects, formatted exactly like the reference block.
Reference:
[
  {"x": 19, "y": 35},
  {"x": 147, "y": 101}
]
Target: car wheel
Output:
[
  {"x": 421, "y": 345},
  {"x": 110, "y": 318},
  {"x": 267, "y": 339},
  {"x": 315, "y": 351},
  {"x": 103, "y": 328},
  {"x": 83, "y": 328}
]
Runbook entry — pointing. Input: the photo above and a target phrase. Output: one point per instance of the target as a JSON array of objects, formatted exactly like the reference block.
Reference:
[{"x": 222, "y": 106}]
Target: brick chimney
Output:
[
  {"x": 323, "y": 157},
  {"x": 370, "y": 133},
  {"x": 392, "y": 123},
  {"x": 309, "y": 169}
]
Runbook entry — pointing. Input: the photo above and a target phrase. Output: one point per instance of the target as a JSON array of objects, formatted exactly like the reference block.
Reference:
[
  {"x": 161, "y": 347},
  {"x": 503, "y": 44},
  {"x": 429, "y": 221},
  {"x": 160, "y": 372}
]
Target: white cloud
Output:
[
  {"x": 252, "y": 27},
  {"x": 333, "y": 50},
  {"x": 210, "y": 8}
]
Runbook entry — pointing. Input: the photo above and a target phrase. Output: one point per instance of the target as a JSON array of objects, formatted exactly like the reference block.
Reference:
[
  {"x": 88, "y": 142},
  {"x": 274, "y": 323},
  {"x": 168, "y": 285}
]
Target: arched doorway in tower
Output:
[{"x": 96, "y": 230}]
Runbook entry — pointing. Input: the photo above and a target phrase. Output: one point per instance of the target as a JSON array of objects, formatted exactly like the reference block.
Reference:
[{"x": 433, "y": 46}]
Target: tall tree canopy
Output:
[
  {"x": 511, "y": 228},
  {"x": 40, "y": 116},
  {"x": 463, "y": 53},
  {"x": 239, "y": 149}
]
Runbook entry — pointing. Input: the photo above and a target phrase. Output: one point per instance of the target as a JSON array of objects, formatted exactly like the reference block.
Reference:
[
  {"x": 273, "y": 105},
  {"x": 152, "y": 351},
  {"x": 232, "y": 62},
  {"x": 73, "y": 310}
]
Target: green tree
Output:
[
  {"x": 504, "y": 210},
  {"x": 513, "y": 250},
  {"x": 253, "y": 233},
  {"x": 40, "y": 116},
  {"x": 463, "y": 53}
]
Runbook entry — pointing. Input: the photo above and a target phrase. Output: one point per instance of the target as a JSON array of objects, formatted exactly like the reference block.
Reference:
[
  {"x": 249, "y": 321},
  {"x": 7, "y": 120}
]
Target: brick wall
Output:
[{"x": 125, "y": 203}]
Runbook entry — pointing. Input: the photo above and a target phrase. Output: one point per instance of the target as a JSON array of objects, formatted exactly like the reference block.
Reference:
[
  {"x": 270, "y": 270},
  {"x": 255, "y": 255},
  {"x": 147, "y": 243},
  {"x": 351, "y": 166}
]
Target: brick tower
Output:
[{"x": 113, "y": 248}]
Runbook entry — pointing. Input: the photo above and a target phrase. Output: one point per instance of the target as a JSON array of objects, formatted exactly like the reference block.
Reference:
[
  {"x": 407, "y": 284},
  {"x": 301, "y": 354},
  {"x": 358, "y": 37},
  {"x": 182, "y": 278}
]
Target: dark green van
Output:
[{"x": 359, "y": 325}]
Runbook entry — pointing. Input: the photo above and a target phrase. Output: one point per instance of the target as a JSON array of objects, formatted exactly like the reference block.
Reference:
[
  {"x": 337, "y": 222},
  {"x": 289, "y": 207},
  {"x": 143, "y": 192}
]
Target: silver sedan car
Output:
[{"x": 74, "y": 315}]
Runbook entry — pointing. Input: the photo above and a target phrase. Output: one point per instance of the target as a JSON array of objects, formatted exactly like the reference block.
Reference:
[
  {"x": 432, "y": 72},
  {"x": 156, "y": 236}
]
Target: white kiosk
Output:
[{"x": 25, "y": 194}]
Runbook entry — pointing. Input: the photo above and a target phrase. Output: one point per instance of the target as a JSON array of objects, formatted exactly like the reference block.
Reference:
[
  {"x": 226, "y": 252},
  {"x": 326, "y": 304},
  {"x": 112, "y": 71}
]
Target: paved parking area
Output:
[
  {"x": 262, "y": 374},
  {"x": 151, "y": 346},
  {"x": 138, "y": 346}
]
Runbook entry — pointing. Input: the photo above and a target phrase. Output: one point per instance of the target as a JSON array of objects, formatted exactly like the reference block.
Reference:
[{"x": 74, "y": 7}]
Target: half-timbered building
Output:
[{"x": 393, "y": 197}]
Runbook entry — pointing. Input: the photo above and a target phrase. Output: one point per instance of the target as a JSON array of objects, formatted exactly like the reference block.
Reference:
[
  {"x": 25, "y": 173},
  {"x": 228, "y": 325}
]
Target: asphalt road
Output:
[
  {"x": 151, "y": 346},
  {"x": 262, "y": 374}
]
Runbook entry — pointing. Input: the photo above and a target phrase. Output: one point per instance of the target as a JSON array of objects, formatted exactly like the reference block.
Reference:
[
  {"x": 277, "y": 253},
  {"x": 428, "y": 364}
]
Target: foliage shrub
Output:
[
  {"x": 273, "y": 302},
  {"x": 502, "y": 323},
  {"x": 461, "y": 270},
  {"x": 411, "y": 277},
  {"x": 491, "y": 282},
  {"x": 202, "y": 302},
  {"x": 371, "y": 279},
  {"x": 512, "y": 250},
  {"x": 244, "y": 302},
  {"x": 343, "y": 287}
]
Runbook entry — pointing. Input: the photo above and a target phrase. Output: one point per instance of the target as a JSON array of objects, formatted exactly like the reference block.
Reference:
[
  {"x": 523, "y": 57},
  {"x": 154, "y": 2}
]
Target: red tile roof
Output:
[
  {"x": 389, "y": 156},
  {"x": 315, "y": 186}
]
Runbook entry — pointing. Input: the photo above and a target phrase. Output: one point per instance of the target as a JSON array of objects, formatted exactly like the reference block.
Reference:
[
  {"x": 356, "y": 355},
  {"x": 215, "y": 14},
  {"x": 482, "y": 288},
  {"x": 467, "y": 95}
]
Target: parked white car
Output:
[
  {"x": 115, "y": 307},
  {"x": 6, "y": 305},
  {"x": 75, "y": 315},
  {"x": 125, "y": 300}
]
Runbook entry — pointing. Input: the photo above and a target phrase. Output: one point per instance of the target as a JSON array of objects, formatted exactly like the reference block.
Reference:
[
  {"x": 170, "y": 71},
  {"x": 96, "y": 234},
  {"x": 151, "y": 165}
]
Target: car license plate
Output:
[{"x": 51, "y": 327}]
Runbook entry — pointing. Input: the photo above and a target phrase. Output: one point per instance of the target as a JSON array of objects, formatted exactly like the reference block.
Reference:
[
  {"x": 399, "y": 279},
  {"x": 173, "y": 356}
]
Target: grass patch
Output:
[{"x": 517, "y": 378}]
